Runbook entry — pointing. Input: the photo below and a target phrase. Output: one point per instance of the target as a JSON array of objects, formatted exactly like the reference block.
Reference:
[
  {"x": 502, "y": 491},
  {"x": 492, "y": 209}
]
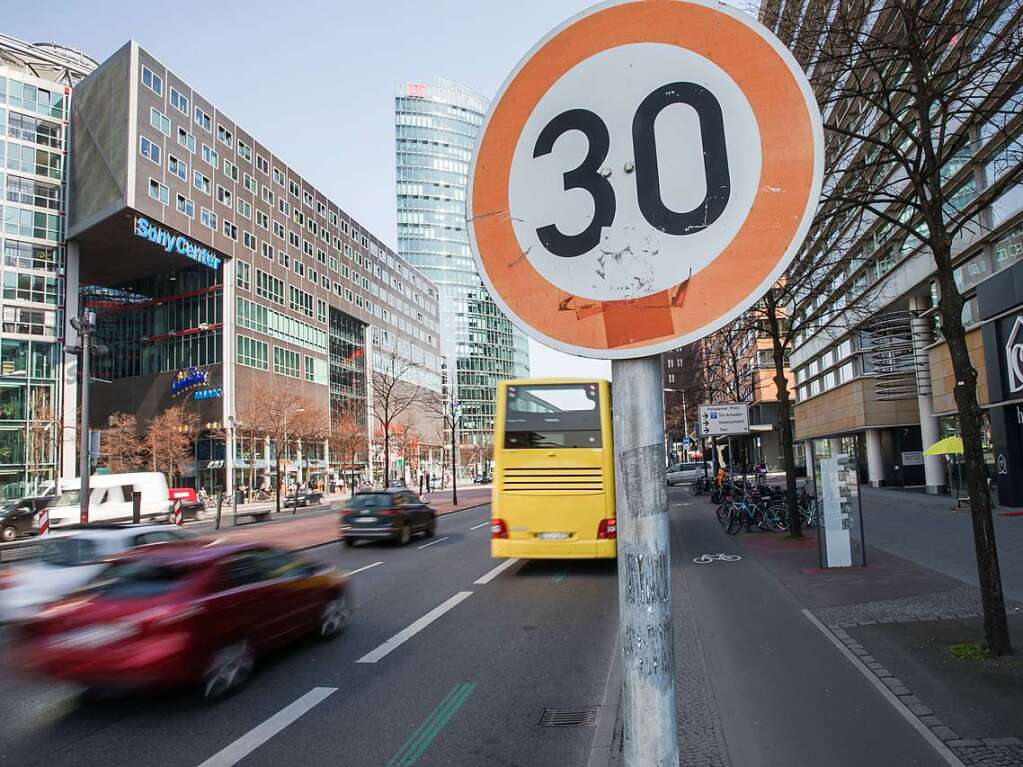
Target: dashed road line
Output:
[
  {"x": 353, "y": 572},
  {"x": 488, "y": 577},
  {"x": 431, "y": 543},
  {"x": 414, "y": 628},
  {"x": 416, "y": 745},
  {"x": 481, "y": 524},
  {"x": 261, "y": 733}
]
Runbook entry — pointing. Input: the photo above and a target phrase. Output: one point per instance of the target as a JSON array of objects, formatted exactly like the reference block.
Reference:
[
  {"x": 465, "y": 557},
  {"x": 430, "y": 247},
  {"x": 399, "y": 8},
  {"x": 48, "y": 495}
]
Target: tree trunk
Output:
[
  {"x": 785, "y": 422},
  {"x": 387, "y": 457},
  {"x": 996, "y": 628}
]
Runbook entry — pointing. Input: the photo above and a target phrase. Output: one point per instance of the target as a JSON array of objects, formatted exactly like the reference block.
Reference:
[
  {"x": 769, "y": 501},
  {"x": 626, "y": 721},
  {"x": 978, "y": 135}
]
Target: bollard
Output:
[
  {"x": 220, "y": 504},
  {"x": 44, "y": 521},
  {"x": 136, "y": 507},
  {"x": 177, "y": 514}
]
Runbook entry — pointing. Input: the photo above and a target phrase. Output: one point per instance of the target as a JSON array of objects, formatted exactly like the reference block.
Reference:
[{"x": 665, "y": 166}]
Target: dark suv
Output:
[
  {"x": 392, "y": 514},
  {"x": 19, "y": 517}
]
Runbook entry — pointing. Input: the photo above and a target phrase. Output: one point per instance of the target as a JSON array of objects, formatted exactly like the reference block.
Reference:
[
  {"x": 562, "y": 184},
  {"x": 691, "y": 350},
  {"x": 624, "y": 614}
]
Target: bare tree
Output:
[
  {"x": 276, "y": 409},
  {"x": 348, "y": 433},
  {"x": 907, "y": 89},
  {"x": 394, "y": 398},
  {"x": 42, "y": 429},
  {"x": 169, "y": 439},
  {"x": 122, "y": 448}
]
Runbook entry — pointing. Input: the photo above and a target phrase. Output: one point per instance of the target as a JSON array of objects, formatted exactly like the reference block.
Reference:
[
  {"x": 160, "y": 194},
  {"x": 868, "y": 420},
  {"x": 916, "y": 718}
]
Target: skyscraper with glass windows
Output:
[{"x": 436, "y": 125}]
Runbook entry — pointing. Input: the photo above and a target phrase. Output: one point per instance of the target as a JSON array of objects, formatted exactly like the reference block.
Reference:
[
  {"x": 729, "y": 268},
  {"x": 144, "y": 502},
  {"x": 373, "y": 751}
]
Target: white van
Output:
[{"x": 110, "y": 498}]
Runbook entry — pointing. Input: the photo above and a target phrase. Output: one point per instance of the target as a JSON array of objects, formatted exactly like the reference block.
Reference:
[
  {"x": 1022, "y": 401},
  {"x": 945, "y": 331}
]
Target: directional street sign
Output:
[
  {"x": 645, "y": 173},
  {"x": 723, "y": 420}
]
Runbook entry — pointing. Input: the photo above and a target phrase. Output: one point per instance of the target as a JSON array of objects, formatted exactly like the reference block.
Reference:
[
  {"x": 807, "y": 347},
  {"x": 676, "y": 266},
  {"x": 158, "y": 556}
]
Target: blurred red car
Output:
[{"x": 182, "y": 614}]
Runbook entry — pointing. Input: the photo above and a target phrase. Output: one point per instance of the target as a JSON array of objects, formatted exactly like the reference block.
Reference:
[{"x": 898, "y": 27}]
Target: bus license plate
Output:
[
  {"x": 552, "y": 536},
  {"x": 365, "y": 519}
]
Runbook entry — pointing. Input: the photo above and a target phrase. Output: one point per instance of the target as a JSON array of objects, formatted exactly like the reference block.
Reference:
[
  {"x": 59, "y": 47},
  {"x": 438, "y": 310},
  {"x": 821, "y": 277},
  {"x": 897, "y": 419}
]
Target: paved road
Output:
[{"x": 468, "y": 689}]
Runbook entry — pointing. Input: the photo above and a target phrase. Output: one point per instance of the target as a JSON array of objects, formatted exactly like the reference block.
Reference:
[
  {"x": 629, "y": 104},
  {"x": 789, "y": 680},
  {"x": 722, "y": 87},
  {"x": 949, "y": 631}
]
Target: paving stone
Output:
[
  {"x": 931, "y": 720},
  {"x": 1002, "y": 741},
  {"x": 945, "y": 733},
  {"x": 920, "y": 710}
]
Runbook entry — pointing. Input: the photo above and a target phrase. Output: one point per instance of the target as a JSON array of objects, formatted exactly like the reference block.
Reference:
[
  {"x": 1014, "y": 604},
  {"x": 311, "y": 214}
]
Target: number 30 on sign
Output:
[{"x": 644, "y": 174}]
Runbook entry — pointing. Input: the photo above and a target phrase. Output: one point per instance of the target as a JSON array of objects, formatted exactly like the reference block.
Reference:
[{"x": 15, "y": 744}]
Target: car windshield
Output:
[
  {"x": 68, "y": 552},
  {"x": 135, "y": 579},
  {"x": 371, "y": 501}
]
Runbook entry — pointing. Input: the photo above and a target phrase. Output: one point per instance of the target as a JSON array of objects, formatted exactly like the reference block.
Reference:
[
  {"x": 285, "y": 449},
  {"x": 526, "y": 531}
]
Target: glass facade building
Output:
[
  {"x": 35, "y": 101},
  {"x": 436, "y": 126}
]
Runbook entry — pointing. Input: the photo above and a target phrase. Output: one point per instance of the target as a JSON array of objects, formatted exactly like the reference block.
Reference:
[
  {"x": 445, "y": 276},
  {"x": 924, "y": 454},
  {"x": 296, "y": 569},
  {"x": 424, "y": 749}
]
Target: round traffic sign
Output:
[{"x": 645, "y": 173}]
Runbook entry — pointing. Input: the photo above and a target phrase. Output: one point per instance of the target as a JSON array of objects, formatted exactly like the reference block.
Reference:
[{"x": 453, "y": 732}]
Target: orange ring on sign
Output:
[{"x": 789, "y": 182}]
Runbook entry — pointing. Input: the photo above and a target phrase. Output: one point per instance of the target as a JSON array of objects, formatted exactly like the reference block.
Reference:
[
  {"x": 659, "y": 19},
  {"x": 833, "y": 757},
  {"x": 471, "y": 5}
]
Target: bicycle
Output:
[
  {"x": 752, "y": 510},
  {"x": 700, "y": 486},
  {"x": 806, "y": 504}
]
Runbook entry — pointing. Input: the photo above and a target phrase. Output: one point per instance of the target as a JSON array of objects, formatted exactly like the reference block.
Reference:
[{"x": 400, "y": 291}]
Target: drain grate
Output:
[{"x": 569, "y": 717}]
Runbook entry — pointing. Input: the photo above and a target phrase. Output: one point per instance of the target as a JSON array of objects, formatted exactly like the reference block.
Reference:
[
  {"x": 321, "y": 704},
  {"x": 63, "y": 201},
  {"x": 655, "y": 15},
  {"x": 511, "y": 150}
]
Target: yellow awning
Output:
[{"x": 949, "y": 445}]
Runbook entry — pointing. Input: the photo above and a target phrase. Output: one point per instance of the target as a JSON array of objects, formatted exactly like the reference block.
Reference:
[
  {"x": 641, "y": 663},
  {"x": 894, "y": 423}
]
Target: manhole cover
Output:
[{"x": 569, "y": 717}]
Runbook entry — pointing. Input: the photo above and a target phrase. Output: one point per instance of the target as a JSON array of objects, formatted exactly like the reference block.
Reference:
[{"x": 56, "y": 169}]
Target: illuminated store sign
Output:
[
  {"x": 208, "y": 394},
  {"x": 175, "y": 243},
  {"x": 187, "y": 379}
]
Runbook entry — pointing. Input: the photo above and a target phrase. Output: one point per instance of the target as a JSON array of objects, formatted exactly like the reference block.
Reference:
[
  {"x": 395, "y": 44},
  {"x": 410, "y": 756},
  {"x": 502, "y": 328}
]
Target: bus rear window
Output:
[{"x": 552, "y": 416}]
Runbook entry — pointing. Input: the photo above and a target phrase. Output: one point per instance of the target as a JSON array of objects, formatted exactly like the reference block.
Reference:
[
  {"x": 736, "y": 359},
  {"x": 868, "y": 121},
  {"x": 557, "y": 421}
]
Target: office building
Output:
[{"x": 436, "y": 125}]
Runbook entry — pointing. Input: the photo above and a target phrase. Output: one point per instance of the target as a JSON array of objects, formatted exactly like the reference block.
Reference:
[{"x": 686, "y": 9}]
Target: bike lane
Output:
[{"x": 784, "y": 694}]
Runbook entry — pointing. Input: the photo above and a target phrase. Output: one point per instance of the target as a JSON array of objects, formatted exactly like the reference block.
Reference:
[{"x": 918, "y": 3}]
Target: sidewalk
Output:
[{"x": 772, "y": 625}]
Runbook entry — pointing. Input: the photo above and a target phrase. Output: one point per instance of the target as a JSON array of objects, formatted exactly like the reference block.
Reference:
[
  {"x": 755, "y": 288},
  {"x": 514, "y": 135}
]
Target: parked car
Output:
[
  {"x": 110, "y": 498},
  {"x": 184, "y": 614},
  {"x": 482, "y": 479},
  {"x": 392, "y": 514},
  {"x": 306, "y": 497},
  {"x": 191, "y": 506},
  {"x": 19, "y": 517},
  {"x": 69, "y": 559},
  {"x": 684, "y": 473}
]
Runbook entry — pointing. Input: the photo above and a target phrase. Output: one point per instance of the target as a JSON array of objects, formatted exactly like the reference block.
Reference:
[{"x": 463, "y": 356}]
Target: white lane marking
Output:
[
  {"x": 353, "y": 572},
  {"x": 427, "y": 545},
  {"x": 943, "y": 751},
  {"x": 261, "y": 733},
  {"x": 485, "y": 579},
  {"x": 481, "y": 524},
  {"x": 412, "y": 629}
]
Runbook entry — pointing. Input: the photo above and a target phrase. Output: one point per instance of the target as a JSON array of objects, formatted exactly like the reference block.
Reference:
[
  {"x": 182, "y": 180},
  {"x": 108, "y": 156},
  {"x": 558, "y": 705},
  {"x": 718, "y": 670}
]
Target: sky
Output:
[{"x": 314, "y": 81}]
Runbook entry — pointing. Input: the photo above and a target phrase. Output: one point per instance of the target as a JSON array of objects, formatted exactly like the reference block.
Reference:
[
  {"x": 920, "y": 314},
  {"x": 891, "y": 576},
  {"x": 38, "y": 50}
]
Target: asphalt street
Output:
[{"x": 447, "y": 662}]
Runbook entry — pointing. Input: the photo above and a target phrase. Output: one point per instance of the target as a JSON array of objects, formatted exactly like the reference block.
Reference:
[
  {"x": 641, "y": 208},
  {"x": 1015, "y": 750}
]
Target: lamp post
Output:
[
  {"x": 278, "y": 494},
  {"x": 85, "y": 326},
  {"x": 456, "y": 417}
]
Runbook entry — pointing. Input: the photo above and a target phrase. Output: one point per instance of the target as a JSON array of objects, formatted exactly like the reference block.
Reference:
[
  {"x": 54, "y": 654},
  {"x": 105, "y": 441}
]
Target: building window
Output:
[
  {"x": 286, "y": 362},
  {"x": 268, "y": 250},
  {"x": 267, "y": 194},
  {"x": 186, "y": 139},
  {"x": 186, "y": 206},
  {"x": 294, "y": 187},
  {"x": 152, "y": 81},
  {"x": 278, "y": 229},
  {"x": 203, "y": 120},
  {"x": 269, "y": 287},
  {"x": 321, "y": 310},
  {"x": 253, "y": 353},
  {"x": 244, "y": 150},
  {"x": 225, "y": 137},
  {"x": 208, "y": 218},
  {"x": 283, "y": 258},
  {"x": 262, "y": 219},
  {"x": 159, "y": 192},
  {"x": 176, "y": 167},
  {"x": 201, "y": 182},
  {"x": 230, "y": 230},
  {"x": 300, "y": 301},
  {"x": 30, "y": 287},
  {"x": 231, "y": 170},
  {"x": 244, "y": 209},
  {"x": 209, "y": 155},
  {"x": 243, "y": 278},
  {"x": 249, "y": 183},
  {"x": 149, "y": 150},
  {"x": 178, "y": 101},
  {"x": 262, "y": 165},
  {"x": 224, "y": 196},
  {"x": 249, "y": 241},
  {"x": 160, "y": 121},
  {"x": 278, "y": 177},
  {"x": 284, "y": 206}
]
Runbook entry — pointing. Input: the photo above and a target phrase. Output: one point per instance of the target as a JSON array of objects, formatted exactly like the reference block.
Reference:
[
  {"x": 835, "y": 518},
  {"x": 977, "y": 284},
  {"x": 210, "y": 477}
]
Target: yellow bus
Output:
[{"x": 554, "y": 488}]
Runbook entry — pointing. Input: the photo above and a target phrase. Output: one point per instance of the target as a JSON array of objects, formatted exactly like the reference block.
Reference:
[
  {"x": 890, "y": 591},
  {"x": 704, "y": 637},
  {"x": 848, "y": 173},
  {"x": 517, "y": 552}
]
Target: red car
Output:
[{"x": 182, "y": 614}]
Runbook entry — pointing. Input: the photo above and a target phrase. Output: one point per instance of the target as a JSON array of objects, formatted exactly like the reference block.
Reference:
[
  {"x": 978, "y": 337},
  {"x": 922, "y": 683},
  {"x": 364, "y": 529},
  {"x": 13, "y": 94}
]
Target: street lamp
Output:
[
  {"x": 287, "y": 452},
  {"x": 85, "y": 326},
  {"x": 456, "y": 417},
  {"x": 685, "y": 420}
]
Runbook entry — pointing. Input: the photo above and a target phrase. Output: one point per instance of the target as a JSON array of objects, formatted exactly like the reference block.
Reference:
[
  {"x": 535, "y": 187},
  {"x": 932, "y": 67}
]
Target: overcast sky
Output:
[{"x": 314, "y": 81}]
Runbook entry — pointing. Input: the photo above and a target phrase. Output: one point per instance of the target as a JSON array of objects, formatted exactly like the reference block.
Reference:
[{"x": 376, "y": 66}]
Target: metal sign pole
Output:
[{"x": 644, "y": 566}]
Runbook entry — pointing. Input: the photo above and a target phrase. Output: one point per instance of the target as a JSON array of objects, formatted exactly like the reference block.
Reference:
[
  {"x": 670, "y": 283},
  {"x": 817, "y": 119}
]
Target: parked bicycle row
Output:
[{"x": 760, "y": 507}]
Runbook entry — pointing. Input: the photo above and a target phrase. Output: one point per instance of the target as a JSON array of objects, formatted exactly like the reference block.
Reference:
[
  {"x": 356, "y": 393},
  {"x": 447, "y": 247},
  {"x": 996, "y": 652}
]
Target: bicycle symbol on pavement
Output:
[{"x": 705, "y": 559}]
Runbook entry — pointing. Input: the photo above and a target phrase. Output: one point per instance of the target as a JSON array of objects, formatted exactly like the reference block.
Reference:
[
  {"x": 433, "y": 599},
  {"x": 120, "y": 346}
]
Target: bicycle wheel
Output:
[
  {"x": 694, "y": 488},
  {"x": 716, "y": 496},
  {"x": 736, "y": 519},
  {"x": 722, "y": 514}
]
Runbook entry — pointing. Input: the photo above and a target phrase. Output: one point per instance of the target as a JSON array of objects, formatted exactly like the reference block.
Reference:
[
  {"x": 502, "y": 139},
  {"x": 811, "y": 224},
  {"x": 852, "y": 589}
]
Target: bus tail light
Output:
[
  {"x": 498, "y": 529},
  {"x": 608, "y": 530}
]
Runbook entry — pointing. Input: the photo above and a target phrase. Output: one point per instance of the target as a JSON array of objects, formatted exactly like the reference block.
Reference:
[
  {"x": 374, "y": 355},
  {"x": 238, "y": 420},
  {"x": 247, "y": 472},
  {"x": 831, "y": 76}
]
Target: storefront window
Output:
[
  {"x": 13, "y": 357},
  {"x": 12, "y": 401},
  {"x": 12, "y": 446}
]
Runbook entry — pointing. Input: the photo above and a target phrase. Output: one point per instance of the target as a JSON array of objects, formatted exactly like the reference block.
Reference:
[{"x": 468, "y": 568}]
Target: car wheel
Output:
[
  {"x": 8, "y": 534},
  {"x": 335, "y": 617},
  {"x": 431, "y": 529},
  {"x": 349, "y": 542},
  {"x": 228, "y": 670},
  {"x": 405, "y": 536}
]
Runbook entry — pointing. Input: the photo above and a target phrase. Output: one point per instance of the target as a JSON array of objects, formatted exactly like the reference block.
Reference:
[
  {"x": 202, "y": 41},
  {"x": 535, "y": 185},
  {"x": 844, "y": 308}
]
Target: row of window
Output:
[{"x": 256, "y": 354}]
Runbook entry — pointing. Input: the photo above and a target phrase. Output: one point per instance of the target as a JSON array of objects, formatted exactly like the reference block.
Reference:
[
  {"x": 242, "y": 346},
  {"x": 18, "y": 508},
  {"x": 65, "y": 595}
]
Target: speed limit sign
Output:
[{"x": 646, "y": 172}]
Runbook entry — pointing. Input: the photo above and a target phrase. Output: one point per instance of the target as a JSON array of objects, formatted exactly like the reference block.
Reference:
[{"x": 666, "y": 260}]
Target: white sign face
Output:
[
  {"x": 723, "y": 420},
  {"x": 647, "y": 171},
  {"x": 626, "y": 256}
]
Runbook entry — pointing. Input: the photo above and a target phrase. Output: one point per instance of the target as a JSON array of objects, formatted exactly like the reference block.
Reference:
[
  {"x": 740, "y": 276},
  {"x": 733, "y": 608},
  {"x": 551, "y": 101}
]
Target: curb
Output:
[{"x": 609, "y": 713}]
